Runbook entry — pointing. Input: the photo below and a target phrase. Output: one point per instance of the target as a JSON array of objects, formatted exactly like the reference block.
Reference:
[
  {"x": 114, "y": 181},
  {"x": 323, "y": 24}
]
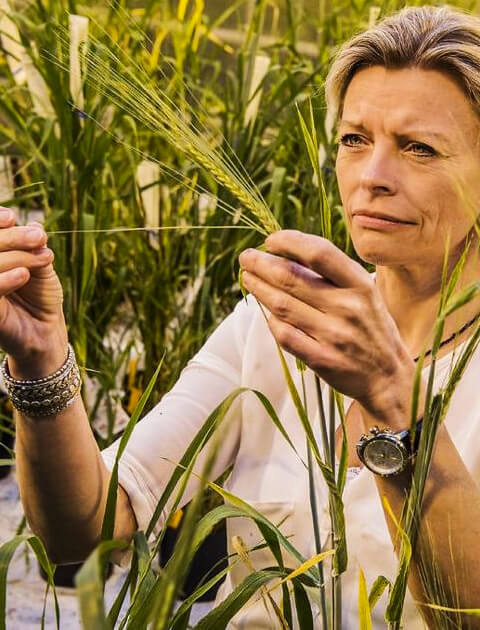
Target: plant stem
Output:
[
  {"x": 291, "y": 25},
  {"x": 331, "y": 415},
  {"x": 316, "y": 532},
  {"x": 323, "y": 419},
  {"x": 336, "y": 580},
  {"x": 328, "y": 437},
  {"x": 337, "y": 602},
  {"x": 314, "y": 509}
]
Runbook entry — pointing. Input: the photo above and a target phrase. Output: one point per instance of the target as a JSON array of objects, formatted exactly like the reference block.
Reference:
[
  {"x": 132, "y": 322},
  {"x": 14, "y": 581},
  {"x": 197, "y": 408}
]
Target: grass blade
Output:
[
  {"x": 364, "y": 617},
  {"x": 378, "y": 587},
  {"x": 89, "y": 583},
  {"x": 221, "y": 615},
  {"x": 7, "y": 551},
  {"x": 110, "y": 508}
]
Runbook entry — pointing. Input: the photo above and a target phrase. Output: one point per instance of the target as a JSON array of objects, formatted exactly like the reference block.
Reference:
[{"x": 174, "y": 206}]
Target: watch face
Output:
[{"x": 384, "y": 456}]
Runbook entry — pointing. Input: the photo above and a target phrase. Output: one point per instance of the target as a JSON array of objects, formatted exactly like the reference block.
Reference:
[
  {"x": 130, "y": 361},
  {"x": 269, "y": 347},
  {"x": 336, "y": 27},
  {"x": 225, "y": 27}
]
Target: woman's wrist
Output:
[
  {"x": 40, "y": 363},
  {"x": 46, "y": 396},
  {"x": 392, "y": 405}
]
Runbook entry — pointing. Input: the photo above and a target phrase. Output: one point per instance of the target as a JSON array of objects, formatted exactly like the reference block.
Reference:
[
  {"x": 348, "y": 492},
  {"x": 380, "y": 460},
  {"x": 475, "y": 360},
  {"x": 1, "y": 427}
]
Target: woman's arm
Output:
[
  {"x": 445, "y": 561},
  {"x": 62, "y": 478}
]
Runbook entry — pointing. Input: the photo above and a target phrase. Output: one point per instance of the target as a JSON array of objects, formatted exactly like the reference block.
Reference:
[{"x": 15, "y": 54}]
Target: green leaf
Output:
[
  {"x": 89, "y": 582},
  {"x": 251, "y": 512},
  {"x": 465, "y": 296},
  {"x": 378, "y": 587},
  {"x": 221, "y": 615},
  {"x": 110, "y": 507},
  {"x": 310, "y": 138},
  {"x": 343, "y": 464},
  {"x": 466, "y": 611},
  {"x": 175, "y": 572},
  {"x": 146, "y": 576},
  {"x": 460, "y": 366},
  {"x": 341, "y": 559},
  {"x": 90, "y": 256},
  {"x": 364, "y": 617},
  {"x": 303, "y": 568},
  {"x": 302, "y": 606},
  {"x": 195, "y": 446},
  {"x": 183, "y": 612},
  {"x": 202, "y": 436},
  {"x": 7, "y": 551},
  {"x": 397, "y": 594}
]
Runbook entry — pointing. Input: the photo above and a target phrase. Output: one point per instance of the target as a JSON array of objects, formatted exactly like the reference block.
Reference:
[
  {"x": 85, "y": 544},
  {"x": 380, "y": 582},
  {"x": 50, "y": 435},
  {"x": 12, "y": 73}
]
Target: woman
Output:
[{"x": 406, "y": 93}]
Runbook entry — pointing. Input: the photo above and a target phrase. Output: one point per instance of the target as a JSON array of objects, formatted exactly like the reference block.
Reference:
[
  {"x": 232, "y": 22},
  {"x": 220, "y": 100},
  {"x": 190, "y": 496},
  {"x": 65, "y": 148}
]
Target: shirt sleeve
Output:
[{"x": 161, "y": 438}]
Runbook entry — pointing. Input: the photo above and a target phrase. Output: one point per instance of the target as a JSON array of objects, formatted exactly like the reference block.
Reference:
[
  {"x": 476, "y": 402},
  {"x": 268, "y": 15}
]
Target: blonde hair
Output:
[{"x": 436, "y": 38}]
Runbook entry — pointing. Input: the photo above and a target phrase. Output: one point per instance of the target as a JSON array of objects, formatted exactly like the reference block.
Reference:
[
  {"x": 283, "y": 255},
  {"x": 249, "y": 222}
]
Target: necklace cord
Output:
[{"x": 452, "y": 336}]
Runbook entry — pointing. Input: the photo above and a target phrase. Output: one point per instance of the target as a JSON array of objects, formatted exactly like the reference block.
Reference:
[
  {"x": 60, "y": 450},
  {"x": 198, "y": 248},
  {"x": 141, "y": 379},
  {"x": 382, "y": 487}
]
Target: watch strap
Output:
[{"x": 404, "y": 435}]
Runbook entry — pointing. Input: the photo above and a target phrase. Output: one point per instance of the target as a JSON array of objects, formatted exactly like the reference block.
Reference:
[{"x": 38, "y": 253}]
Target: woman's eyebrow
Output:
[
  {"x": 418, "y": 131},
  {"x": 349, "y": 123},
  {"x": 407, "y": 132}
]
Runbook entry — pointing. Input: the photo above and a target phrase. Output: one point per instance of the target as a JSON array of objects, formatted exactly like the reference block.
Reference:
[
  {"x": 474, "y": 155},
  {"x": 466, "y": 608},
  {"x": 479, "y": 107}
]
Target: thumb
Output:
[{"x": 43, "y": 273}]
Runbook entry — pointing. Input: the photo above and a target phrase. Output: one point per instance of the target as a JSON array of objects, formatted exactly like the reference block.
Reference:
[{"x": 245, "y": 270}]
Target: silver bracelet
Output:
[{"x": 45, "y": 396}]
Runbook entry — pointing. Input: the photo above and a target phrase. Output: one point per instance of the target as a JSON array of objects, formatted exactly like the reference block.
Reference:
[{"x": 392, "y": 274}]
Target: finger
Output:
[
  {"x": 7, "y": 217},
  {"x": 291, "y": 277},
  {"x": 317, "y": 356},
  {"x": 287, "y": 308},
  {"x": 13, "y": 280},
  {"x": 41, "y": 226},
  {"x": 35, "y": 224},
  {"x": 25, "y": 237},
  {"x": 44, "y": 272},
  {"x": 320, "y": 255},
  {"x": 35, "y": 258}
]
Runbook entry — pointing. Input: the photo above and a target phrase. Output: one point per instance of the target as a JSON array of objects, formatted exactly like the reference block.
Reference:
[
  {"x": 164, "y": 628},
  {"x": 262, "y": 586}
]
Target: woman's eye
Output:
[
  {"x": 420, "y": 149},
  {"x": 350, "y": 140}
]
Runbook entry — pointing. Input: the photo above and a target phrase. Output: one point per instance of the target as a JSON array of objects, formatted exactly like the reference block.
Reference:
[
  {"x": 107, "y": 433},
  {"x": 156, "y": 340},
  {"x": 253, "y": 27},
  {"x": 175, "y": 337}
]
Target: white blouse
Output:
[{"x": 267, "y": 473}]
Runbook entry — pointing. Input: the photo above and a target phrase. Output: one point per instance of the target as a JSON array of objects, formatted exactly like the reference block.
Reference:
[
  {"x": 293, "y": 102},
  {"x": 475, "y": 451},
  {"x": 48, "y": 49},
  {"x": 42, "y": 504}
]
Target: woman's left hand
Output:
[{"x": 326, "y": 310}]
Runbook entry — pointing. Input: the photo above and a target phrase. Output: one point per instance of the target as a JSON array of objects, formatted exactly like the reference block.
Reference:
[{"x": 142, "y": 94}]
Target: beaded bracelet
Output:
[{"x": 45, "y": 396}]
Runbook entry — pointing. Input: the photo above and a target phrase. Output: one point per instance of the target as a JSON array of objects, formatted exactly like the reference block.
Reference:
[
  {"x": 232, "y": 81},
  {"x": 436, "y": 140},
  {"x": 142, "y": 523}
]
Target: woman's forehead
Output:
[{"x": 408, "y": 99}]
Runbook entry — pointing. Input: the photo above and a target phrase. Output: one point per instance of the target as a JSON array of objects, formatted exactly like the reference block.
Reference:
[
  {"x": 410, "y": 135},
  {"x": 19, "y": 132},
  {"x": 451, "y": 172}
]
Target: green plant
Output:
[{"x": 204, "y": 148}]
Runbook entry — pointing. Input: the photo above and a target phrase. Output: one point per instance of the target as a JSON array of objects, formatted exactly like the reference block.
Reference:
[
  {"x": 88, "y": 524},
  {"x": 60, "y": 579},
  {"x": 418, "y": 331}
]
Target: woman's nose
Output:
[{"x": 378, "y": 175}]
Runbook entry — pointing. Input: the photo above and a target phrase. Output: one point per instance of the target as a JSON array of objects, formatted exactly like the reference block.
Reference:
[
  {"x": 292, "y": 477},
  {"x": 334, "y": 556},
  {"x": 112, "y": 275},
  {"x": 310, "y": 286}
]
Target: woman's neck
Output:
[{"x": 412, "y": 296}]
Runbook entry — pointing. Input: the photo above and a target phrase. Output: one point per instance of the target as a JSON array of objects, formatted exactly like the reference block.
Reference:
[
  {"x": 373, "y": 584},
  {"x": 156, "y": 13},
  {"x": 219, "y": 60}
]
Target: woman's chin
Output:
[
  {"x": 377, "y": 247},
  {"x": 381, "y": 255}
]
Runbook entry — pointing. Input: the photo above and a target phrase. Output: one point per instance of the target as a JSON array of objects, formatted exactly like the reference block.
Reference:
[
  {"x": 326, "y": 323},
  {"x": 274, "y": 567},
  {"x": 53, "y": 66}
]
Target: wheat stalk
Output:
[{"x": 130, "y": 87}]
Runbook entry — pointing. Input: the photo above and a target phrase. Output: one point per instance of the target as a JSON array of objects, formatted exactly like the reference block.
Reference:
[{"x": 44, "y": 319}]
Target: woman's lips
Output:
[{"x": 378, "y": 223}]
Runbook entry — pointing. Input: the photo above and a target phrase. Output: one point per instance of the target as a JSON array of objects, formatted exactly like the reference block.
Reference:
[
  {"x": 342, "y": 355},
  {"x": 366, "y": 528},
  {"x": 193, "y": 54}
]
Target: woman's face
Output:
[{"x": 408, "y": 165}]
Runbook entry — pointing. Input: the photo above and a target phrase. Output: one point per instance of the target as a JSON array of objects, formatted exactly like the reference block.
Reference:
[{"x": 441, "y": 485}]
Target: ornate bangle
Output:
[{"x": 45, "y": 396}]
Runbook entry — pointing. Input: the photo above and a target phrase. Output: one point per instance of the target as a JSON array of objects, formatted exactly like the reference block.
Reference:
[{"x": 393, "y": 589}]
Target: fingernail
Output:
[
  {"x": 34, "y": 235},
  {"x": 246, "y": 254},
  {"x": 5, "y": 214},
  {"x": 43, "y": 251}
]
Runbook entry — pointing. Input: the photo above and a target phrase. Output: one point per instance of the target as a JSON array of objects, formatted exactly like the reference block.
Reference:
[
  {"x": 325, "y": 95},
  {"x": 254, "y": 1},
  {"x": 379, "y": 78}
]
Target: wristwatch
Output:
[{"x": 386, "y": 452}]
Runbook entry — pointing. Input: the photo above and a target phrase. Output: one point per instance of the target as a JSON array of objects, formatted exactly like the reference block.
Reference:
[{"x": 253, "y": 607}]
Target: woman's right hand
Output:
[{"x": 32, "y": 326}]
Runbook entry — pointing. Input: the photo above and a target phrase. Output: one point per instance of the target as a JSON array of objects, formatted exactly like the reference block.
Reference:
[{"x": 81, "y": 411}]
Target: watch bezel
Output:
[{"x": 386, "y": 435}]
